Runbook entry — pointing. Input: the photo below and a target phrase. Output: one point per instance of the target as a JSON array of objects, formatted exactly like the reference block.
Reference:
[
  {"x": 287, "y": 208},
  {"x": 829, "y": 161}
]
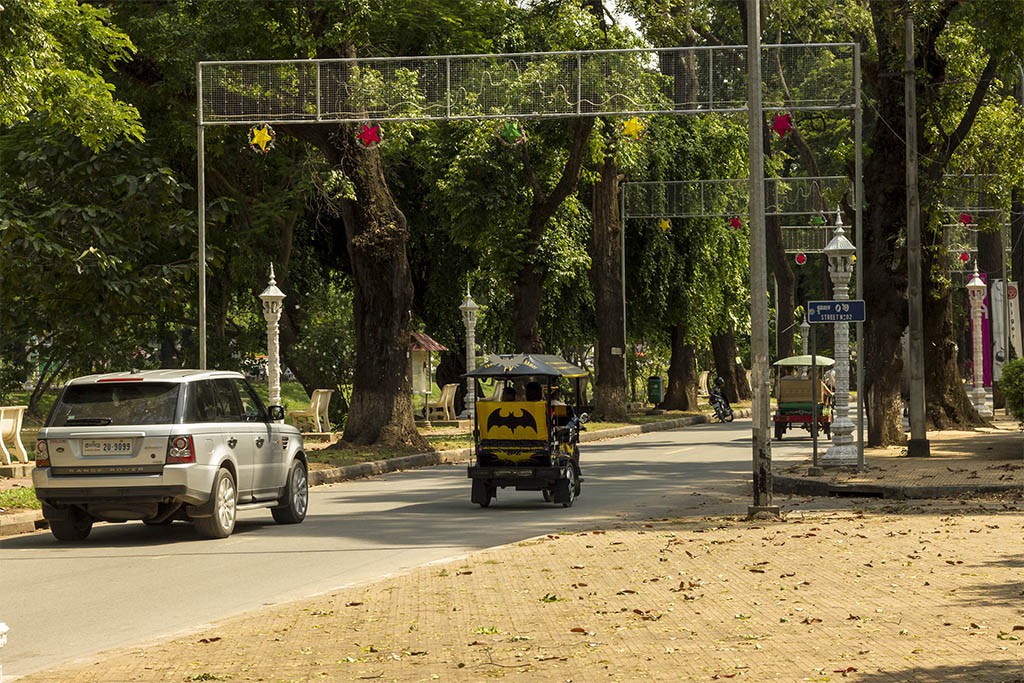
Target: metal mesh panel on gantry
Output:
[
  {"x": 805, "y": 206},
  {"x": 528, "y": 85},
  {"x": 802, "y": 77},
  {"x": 258, "y": 91},
  {"x": 972, "y": 204}
]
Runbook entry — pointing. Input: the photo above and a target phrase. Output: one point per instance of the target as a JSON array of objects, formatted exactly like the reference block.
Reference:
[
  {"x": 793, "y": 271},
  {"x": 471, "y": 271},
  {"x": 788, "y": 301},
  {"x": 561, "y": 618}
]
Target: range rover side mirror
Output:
[{"x": 276, "y": 413}]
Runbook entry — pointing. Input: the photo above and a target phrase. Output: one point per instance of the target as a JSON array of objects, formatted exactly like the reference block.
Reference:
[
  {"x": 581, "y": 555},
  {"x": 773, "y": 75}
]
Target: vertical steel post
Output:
[
  {"x": 622, "y": 276},
  {"x": 201, "y": 185},
  {"x": 762, "y": 446},
  {"x": 858, "y": 242}
]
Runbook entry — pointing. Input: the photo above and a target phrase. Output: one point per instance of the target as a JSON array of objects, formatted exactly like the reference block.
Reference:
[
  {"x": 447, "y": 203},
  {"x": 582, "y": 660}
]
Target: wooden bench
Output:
[
  {"x": 316, "y": 414},
  {"x": 10, "y": 433}
]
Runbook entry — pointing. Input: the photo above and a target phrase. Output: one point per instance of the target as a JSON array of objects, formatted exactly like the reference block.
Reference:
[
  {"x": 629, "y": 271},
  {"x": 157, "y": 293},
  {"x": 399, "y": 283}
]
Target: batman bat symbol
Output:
[{"x": 523, "y": 419}]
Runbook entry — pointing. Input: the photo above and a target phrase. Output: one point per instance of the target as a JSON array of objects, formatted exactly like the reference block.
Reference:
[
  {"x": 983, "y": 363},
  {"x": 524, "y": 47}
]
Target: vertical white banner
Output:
[
  {"x": 1015, "y": 341},
  {"x": 998, "y": 330}
]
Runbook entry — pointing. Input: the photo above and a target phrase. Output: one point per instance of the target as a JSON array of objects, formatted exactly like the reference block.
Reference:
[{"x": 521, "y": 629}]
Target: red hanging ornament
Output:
[
  {"x": 782, "y": 124},
  {"x": 735, "y": 222},
  {"x": 801, "y": 259},
  {"x": 966, "y": 218},
  {"x": 369, "y": 136},
  {"x": 964, "y": 257}
]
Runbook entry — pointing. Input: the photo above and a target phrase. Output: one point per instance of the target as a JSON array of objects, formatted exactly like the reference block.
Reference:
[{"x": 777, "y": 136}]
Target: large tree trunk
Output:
[
  {"x": 681, "y": 392},
  {"x": 884, "y": 264},
  {"x": 606, "y": 283},
  {"x": 528, "y": 285},
  {"x": 381, "y": 410},
  {"x": 948, "y": 405}
]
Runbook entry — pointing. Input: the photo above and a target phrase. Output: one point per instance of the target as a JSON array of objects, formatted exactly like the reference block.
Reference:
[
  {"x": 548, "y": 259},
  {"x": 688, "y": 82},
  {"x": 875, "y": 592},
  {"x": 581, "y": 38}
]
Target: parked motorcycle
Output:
[{"x": 718, "y": 401}]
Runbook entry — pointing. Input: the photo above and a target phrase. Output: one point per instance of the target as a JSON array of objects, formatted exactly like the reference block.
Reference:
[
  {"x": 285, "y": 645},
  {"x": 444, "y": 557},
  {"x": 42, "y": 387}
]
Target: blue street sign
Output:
[{"x": 835, "y": 311}]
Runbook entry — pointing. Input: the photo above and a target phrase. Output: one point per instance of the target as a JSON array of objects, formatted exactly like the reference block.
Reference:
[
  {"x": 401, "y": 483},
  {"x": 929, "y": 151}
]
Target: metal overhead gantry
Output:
[{"x": 539, "y": 85}]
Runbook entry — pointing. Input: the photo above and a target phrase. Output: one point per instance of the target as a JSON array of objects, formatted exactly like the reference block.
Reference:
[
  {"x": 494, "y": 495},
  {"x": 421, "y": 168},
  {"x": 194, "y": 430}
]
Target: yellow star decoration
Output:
[
  {"x": 262, "y": 137},
  {"x": 632, "y": 128},
  {"x": 665, "y": 224}
]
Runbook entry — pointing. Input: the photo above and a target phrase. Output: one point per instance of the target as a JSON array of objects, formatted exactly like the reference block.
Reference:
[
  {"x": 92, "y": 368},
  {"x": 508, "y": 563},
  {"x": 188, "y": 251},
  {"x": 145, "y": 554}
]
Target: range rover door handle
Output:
[
  {"x": 259, "y": 442},
  {"x": 232, "y": 442}
]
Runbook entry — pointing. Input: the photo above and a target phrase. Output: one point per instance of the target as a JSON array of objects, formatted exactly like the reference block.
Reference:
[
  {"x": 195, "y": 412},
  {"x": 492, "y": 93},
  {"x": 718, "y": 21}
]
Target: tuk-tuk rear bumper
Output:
[{"x": 522, "y": 478}]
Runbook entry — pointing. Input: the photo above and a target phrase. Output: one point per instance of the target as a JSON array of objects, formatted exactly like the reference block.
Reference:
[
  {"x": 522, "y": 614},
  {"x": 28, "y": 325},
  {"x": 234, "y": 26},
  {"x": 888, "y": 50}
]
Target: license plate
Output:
[{"x": 107, "y": 447}]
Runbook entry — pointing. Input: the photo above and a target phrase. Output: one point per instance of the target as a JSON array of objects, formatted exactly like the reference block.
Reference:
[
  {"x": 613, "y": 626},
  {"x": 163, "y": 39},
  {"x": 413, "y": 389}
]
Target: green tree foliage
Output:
[
  {"x": 92, "y": 269},
  {"x": 54, "y": 55}
]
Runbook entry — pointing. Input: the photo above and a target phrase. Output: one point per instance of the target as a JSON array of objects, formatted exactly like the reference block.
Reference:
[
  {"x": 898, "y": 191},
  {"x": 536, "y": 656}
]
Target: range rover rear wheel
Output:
[
  {"x": 75, "y": 528},
  {"x": 225, "y": 508}
]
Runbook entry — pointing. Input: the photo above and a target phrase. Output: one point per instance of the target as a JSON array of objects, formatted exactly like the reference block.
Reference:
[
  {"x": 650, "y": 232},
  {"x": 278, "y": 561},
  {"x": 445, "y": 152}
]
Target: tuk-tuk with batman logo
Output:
[{"x": 526, "y": 437}]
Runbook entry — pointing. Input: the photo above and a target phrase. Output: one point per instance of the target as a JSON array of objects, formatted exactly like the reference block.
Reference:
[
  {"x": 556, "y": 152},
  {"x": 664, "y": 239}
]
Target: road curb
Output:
[
  {"x": 21, "y": 522},
  {"x": 816, "y": 487}
]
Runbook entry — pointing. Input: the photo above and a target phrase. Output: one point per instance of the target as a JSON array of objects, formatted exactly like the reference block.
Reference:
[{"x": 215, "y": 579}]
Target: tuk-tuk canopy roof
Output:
[
  {"x": 526, "y": 365},
  {"x": 805, "y": 360}
]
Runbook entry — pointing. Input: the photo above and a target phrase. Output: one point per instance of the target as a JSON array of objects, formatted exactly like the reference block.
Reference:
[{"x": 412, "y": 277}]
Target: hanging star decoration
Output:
[
  {"x": 632, "y": 128},
  {"x": 369, "y": 136},
  {"x": 782, "y": 124},
  {"x": 261, "y": 138},
  {"x": 735, "y": 222},
  {"x": 801, "y": 259},
  {"x": 510, "y": 134},
  {"x": 665, "y": 224},
  {"x": 966, "y": 218},
  {"x": 817, "y": 220}
]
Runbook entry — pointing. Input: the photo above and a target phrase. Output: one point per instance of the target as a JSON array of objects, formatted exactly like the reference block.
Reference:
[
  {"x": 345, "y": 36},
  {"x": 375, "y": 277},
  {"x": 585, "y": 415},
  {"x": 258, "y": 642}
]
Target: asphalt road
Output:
[{"x": 131, "y": 584}]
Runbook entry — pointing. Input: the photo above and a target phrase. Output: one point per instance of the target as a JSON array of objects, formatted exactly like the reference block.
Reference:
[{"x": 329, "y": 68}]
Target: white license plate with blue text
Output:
[{"x": 107, "y": 447}]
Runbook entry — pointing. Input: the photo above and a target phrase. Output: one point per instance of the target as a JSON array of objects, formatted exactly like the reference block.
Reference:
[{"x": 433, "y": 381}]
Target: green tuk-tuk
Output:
[{"x": 527, "y": 438}]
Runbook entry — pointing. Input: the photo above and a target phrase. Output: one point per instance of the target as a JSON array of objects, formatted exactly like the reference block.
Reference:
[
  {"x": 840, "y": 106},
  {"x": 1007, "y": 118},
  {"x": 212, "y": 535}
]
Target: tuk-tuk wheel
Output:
[
  {"x": 565, "y": 490},
  {"x": 482, "y": 493},
  {"x": 548, "y": 495}
]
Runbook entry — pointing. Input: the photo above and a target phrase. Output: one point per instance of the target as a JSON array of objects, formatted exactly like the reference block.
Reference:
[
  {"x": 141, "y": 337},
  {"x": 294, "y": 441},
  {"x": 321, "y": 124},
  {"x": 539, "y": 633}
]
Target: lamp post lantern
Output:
[
  {"x": 976, "y": 293},
  {"x": 840, "y": 252},
  {"x": 470, "y": 310},
  {"x": 272, "y": 298}
]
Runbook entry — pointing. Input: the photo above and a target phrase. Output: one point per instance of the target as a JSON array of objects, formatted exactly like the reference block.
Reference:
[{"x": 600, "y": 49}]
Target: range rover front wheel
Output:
[{"x": 295, "y": 500}]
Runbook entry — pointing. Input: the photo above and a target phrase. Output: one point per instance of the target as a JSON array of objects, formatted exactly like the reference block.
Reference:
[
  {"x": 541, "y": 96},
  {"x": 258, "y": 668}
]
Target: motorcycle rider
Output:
[{"x": 718, "y": 401}]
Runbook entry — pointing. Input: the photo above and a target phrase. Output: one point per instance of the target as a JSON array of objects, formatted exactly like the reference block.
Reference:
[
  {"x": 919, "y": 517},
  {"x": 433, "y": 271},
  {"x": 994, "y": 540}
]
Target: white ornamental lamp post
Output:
[
  {"x": 470, "y": 310},
  {"x": 976, "y": 294},
  {"x": 840, "y": 252},
  {"x": 272, "y": 298}
]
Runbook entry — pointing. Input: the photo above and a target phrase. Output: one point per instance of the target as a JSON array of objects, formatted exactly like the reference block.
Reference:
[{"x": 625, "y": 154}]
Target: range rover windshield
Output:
[{"x": 116, "y": 403}]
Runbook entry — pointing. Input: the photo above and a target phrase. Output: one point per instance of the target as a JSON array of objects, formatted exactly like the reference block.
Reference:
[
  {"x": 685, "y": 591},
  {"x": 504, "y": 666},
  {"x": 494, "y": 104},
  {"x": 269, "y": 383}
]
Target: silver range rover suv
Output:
[{"x": 161, "y": 445}]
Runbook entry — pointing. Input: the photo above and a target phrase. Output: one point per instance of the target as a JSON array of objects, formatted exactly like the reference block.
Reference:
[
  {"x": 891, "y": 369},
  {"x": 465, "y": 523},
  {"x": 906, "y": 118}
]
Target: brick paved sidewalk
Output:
[
  {"x": 858, "y": 589},
  {"x": 927, "y": 591}
]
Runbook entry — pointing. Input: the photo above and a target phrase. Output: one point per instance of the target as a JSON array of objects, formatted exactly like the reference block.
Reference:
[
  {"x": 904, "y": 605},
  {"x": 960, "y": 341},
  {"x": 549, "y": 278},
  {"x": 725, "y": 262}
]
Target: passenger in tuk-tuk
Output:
[
  {"x": 560, "y": 411},
  {"x": 534, "y": 392},
  {"x": 508, "y": 393}
]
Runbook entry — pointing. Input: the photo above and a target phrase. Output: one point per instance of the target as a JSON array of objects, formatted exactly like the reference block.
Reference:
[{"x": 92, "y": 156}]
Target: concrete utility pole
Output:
[
  {"x": 918, "y": 444},
  {"x": 759, "y": 379}
]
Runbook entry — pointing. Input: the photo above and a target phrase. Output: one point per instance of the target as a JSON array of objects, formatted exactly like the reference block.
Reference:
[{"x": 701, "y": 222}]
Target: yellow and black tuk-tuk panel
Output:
[{"x": 512, "y": 421}]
